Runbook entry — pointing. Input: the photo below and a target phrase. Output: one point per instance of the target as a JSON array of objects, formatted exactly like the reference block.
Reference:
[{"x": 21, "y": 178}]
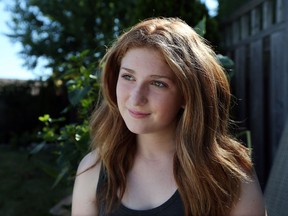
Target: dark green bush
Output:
[
  {"x": 21, "y": 103},
  {"x": 71, "y": 138}
]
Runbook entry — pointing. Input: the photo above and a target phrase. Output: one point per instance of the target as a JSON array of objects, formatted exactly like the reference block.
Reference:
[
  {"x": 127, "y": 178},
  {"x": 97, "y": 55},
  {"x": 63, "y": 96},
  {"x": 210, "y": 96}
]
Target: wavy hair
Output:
[{"x": 209, "y": 165}]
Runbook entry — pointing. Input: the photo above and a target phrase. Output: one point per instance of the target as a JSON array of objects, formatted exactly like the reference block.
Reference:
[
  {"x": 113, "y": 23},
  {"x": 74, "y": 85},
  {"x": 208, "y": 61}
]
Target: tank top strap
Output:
[
  {"x": 101, "y": 182},
  {"x": 102, "y": 178}
]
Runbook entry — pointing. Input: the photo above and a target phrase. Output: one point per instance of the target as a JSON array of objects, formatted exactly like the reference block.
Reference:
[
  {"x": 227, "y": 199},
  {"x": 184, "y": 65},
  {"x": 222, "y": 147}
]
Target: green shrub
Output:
[
  {"x": 70, "y": 139},
  {"x": 21, "y": 103}
]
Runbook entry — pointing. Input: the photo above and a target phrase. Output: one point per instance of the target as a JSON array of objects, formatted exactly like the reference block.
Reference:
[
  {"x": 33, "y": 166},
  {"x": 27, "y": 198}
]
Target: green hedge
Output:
[{"x": 21, "y": 103}]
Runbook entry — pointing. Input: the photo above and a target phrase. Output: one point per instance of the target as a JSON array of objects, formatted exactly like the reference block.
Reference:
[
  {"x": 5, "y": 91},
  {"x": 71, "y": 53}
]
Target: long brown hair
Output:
[{"x": 209, "y": 165}]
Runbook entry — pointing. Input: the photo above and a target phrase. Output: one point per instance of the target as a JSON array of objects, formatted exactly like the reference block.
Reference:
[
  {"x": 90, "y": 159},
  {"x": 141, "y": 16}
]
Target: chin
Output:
[{"x": 138, "y": 131}]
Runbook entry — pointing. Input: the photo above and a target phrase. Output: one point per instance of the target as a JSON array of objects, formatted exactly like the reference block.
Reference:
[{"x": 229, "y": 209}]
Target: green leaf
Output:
[
  {"x": 84, "y": 53},
  {"x": 225, "y": 61},
  {"x": 77, "y": 137},
  {"x": 248, "y": 139},
  {"x": 61, "y": 119},
  {"x": 227, "y": 64},
  {"x": 44, "y": 118},
  {"x": 200, "y": 28},
  {"x": 75, "y": 96},
  {"x": 93, "y": 77},
  {"x": 37, "y": 148},
  {"x": 60, "y": 176}
]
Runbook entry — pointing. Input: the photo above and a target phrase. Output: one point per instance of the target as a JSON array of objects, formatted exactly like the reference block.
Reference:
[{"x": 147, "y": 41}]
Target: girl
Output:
[{"x": 160, "y": 144}]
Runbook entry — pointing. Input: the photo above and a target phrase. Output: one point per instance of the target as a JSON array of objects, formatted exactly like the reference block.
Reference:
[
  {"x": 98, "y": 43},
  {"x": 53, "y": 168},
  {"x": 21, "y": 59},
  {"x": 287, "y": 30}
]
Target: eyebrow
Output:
[
  {"x": 128, "y": 69},
  {"x": 154, "y": 76}
]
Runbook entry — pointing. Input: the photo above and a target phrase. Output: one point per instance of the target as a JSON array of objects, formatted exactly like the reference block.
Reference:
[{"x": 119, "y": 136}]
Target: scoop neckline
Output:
[{"x": 162, "y": 206}]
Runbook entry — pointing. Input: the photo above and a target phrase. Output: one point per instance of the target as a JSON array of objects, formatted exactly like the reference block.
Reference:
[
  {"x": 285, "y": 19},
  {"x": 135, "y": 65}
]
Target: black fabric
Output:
[{"x": 172, "y": 207}]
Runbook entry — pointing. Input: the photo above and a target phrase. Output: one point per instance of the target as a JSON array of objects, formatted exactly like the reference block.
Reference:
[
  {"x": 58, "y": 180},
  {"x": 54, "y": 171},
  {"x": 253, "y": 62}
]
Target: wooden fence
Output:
[{"x": 256, "y": 38}]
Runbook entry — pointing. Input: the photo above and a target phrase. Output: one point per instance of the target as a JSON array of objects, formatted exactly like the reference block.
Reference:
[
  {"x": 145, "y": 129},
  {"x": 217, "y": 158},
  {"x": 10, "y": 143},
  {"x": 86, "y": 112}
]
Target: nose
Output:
[{"x": 138, "y": 96}]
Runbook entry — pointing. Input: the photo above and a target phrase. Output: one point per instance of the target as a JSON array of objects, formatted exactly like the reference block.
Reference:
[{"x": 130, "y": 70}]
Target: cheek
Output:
[
  {"x": 118, "y": 93},
  {"x": 121, "y": 91},
  {"x": 169, "y": 106}
]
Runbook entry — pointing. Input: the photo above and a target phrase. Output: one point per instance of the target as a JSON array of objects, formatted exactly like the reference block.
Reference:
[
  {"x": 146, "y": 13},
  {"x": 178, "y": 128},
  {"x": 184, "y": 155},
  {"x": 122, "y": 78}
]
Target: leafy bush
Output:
[
  {"x": 69, "y": 140},
  {"x": 21, "y": 103}
]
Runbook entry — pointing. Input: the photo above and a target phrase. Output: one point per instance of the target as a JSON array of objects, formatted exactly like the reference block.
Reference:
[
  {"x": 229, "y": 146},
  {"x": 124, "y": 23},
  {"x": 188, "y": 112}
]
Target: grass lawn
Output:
[{"x": 24, "y": 188}]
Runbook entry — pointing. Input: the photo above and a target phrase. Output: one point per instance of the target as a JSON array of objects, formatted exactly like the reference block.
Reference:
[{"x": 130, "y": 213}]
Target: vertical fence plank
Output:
[
  {"x": 240, "y": 83},
  {"x": 285, "y": 54},
  {"x": 228, "y": 36},
  {"x": 277, "y": 89},
  {"x": 267, "y": 14},
  {"x": 256, "y": 121},
  {"x": 235, "y": 31},
  {"x": 276, "y": 191},
  {"x": 279, "y": 11},
  {"x": 255, "y": 21},
  {"x": 244, "y": 22},
  {"x": 266, "y": 106}
]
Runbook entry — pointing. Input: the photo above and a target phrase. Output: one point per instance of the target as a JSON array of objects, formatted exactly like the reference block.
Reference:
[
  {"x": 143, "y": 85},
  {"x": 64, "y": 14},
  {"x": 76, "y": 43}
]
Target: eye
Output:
[
  {"x": 127, "y": 77},
  {"x": 159, "y": 84}
]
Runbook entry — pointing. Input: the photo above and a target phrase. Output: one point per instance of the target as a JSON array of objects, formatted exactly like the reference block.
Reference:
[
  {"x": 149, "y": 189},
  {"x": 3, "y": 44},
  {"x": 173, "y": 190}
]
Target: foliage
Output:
[
  {"x": 21, "y": 102},
  {"x": 24, "y": 188},
  {"x": 56, "y": 30},
  {"x": 227, "y": 64},
  {"x": 190, "y": 11},
  {"x": 71, "y": 140}
]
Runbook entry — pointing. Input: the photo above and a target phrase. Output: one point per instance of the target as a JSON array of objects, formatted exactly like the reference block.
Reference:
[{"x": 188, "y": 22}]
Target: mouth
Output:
[{"x": 138, "y": 115}]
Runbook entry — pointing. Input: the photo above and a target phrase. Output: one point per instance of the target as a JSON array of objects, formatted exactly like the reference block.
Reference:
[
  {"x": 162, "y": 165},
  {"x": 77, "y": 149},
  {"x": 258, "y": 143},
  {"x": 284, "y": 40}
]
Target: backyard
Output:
[{"x": 25, "y": 189}]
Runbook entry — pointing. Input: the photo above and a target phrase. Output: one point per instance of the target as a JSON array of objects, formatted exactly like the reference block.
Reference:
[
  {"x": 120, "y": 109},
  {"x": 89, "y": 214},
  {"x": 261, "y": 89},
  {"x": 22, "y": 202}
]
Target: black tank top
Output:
[{"x": 172, "y": 207}]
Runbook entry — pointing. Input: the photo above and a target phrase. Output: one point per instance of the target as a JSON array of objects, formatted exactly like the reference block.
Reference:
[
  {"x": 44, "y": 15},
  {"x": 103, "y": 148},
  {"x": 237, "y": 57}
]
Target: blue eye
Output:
[{"x": 159, "y": 84}]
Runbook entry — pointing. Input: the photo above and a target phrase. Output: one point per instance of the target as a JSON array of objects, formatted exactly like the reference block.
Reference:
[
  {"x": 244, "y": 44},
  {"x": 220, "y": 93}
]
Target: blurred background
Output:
[{"x": 49, "y": 55}]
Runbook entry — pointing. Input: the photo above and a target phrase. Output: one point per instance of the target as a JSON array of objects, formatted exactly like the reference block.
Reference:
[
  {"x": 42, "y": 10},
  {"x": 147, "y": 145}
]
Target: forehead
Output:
[{"x": 147, "y": 60}]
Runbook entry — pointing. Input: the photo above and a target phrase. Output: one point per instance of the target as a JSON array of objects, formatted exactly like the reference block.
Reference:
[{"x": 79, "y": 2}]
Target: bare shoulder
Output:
[
  {"x": 84, "y": 191},
  {"x": 88, "y": 162},
  {"x": 251, "y": 201}
]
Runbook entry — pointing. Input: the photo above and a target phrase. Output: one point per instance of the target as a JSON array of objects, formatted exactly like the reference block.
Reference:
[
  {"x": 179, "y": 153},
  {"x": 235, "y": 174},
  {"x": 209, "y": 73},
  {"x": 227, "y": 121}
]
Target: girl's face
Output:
[{"x": 147, "y": 95}]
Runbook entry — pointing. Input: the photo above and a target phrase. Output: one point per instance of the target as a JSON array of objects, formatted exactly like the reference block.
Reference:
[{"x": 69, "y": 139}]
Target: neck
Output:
[{"x": 154, "y": 147}]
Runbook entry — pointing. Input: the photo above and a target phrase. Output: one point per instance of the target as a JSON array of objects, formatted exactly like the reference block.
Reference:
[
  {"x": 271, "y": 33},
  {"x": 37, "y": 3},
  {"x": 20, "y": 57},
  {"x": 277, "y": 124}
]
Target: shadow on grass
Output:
[{"x": 24, "y": 188}]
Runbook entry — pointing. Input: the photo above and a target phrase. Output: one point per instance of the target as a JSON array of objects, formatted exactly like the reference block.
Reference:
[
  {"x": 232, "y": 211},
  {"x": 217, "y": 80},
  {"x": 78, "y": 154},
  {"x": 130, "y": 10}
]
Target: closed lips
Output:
[{"x": 138, "y": 114}]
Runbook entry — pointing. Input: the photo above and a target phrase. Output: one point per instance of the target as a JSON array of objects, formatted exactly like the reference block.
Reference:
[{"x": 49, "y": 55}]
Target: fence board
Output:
[
  {"x": 279, "y": 11},
  {"x": 285, "y": 49},
  {"x": 276, "y": 192},
  {"x": 277, "y": 89},
  {"x": 255, "y": 21},
  {"x": 235, "y": 31},
  {"x": 245, "y": 21},
  {"x": 244, "y": 9},
  {"x": 267, "y": 14},
  {"x": 256, "y": 109},
  {"x": 240, "y": 83}
]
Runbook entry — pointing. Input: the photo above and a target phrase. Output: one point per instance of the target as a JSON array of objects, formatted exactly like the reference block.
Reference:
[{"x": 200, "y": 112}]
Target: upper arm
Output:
[
  {"x": 84, "y": 191},
  {"x": 251, "y": 200}
]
